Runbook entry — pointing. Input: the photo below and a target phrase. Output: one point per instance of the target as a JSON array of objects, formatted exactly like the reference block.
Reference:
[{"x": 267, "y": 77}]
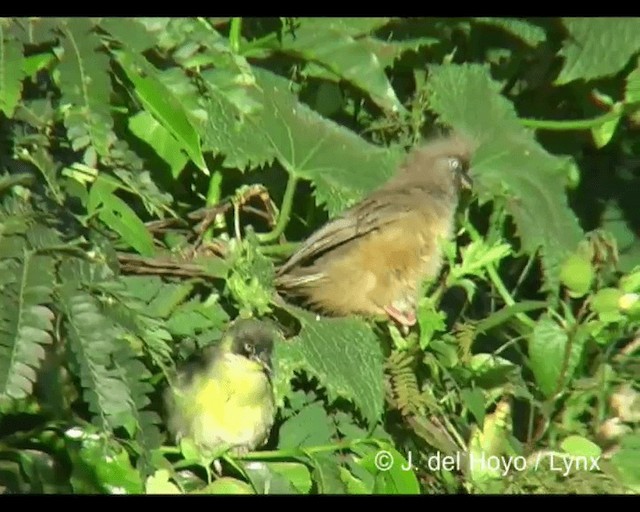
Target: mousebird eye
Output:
[{"x": 455, "y": 164}]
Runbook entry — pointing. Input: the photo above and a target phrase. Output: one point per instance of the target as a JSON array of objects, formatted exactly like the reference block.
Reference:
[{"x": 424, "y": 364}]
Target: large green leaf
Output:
[
  {"x": 344, "y": 354},
  {"x": 598, "y": 47},
  {"x": 341, "y": 165},
  {"x": 527, "y": 32},
  {"x": 553, "y": 361},
  {"x": 509, "y": 162}
]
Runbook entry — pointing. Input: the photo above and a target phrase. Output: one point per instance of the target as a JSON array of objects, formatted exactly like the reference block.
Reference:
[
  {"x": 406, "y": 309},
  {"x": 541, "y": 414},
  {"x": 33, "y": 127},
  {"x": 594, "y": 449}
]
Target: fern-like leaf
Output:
[
  {"x": 86, "y": 87},
  {"x": 26, "y": 321},
  {"x": 405, "y": 391},
  {"x": 93, "y": 341}
]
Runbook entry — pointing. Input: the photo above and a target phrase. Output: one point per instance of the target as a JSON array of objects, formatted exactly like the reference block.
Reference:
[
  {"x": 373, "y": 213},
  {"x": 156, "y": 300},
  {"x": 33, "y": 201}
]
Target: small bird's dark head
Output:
[
  {"x": 253, "y": 339},
  {"x": 441, "y": 163}
]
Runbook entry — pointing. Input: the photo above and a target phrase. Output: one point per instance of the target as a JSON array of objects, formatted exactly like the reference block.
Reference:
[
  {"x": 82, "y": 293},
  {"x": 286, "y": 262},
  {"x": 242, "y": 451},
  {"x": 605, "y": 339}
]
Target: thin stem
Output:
[
  {"x": 497, "y": 281},
  {"x": 573, "y": 124},
  {"x": 284, "y": 249},
  {"x": 301, "y": 452},
  {"x": 285, "y": 212},
  {"x": 234, "y": 34}
]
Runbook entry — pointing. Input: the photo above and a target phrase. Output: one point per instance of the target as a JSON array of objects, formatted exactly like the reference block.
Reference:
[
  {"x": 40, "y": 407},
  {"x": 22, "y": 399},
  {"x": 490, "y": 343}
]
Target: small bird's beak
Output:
[
  {"x": 264, "y": 360},
  {"x": 466, "y": 181}
]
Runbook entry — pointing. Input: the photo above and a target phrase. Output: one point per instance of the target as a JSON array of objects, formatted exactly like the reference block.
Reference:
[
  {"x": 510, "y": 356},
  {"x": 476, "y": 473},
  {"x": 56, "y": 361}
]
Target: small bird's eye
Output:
[
  {"x": 455, "y": 164},
  {"x": 248, "y": 348}
]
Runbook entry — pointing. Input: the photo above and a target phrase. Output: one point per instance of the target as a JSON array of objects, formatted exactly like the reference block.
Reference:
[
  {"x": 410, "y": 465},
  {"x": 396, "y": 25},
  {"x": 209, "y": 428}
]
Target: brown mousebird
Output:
[{"x": 372, "y": 259}]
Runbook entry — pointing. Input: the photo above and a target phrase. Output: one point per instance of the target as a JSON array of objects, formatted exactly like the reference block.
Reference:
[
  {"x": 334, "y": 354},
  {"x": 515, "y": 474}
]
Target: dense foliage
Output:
[{"x": 153, "y": 172}]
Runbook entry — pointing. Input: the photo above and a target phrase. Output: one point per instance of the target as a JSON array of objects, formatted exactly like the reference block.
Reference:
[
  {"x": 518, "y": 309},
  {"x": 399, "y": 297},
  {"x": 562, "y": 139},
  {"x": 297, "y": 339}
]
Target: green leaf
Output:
[
  {"x": 530, "y": 34},
  {"x": 26, "y": 322},
  {"x": 579, "y": 446},
  {"x": 144, "y": 126},
  {"x": 119, "y": 216},
  {"x": 597, "y": 47},
  {"x": 548, "y": 347},
  {"x": 344, "y": 354},
  {"x": 100, "y": 466},
  {"x": 86, "y": 87},
  {"x": 227, "y": 485},
  {"x": 162, "y": 104},
  {"x": 328, "y": 44},
  {"x": 508, "y": 312},
  {"x": 632, "y": 86},
  {"x": 626, "y": 461},
  {"x": 159, "y": 483},
  {"x": 606, "y": 302},
  {"x": 309, "y": 427},
  {"x": 279, "y": 477},
  {"x": 577, "y": 274},
  {"x": 130, "y": 31},
  {"x": 93, "y": 340},
  {"x": 390, "y": 478},
  {"x": 342, "y": 166},
  {"x": 509, "y": 162},
  {"x": 11, "y": 73},
  {"x": 388, "y": 52},
  {"x": 474, "y": 401}
]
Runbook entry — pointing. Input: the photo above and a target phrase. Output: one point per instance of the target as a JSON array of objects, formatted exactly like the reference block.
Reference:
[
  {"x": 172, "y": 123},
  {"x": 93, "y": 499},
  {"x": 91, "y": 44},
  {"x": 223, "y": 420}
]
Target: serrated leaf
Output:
[
  {"x": 326, "y": 43},
  {"x": 548, "y": 347},
  {"x": 119, "y": 216},
  {"x": 160, "y": 102},
  {"x": 11, "y": 73},
  {"x": 86, "y": 87},
  {"x": 352, "y": 26},
  {"x": 144, "y": 126},
  {"x": 597, "y": 47},
  {"x": 326, "y": 474},
  {"x": 320, "y": 150},
  {"x": 309, "y": 427},
  {"x": 527, "y": 32},
  {"x": 344, "y": 354},
  {"x": 342, "y": 166},
  {"x": 130, "y": 32},
  {"x": 388, "y": 52},
  {"x": 509, "y": 162}
]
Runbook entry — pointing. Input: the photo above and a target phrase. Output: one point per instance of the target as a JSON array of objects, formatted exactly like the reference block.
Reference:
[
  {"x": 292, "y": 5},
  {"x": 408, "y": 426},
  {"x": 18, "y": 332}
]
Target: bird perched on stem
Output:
[
  {"x": 372, "y": 259},
  {"x": 225, "y": 400}
]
